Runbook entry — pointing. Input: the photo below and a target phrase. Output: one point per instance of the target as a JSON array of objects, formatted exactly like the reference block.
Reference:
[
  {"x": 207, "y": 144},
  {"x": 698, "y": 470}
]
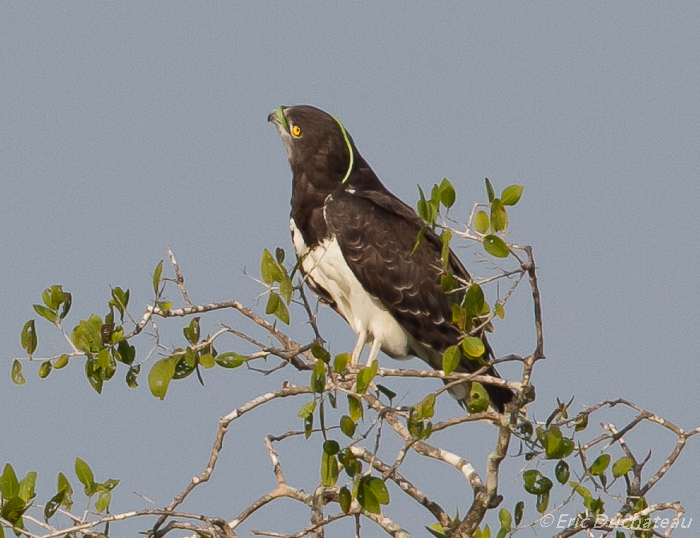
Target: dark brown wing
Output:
[
  {"x": 377, "y": 243},
  {"x": 377, "y": 234}
]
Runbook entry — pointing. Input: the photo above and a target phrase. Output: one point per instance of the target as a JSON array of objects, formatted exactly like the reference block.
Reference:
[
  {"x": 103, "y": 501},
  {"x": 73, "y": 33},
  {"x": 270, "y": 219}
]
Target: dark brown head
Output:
[{"x": 317, "y": 145}]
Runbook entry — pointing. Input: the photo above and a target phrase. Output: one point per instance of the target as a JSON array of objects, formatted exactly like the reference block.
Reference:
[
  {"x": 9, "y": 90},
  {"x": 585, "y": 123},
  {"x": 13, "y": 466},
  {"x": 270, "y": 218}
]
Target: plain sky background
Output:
[{"x": 126, "y": 127}]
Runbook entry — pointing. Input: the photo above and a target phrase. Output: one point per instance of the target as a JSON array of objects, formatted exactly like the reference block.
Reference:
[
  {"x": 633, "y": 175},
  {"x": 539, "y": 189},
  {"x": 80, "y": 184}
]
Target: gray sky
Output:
[{"x": 126, "y": 127}]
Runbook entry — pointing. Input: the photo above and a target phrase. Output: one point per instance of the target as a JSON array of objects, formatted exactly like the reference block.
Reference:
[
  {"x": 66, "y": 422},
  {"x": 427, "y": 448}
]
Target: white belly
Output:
[{"x": 366, "y": 315}]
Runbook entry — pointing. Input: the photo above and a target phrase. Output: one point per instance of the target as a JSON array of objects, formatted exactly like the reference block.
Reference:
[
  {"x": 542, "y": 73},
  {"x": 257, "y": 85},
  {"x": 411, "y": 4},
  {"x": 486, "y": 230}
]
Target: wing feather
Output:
[
  {"x": 377, "y": 234},
  {"x": 377, "y": 237}
]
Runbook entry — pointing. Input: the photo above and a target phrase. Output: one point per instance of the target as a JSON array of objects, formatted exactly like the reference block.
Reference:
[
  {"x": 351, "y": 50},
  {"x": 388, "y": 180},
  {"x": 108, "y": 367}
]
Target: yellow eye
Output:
[{"x": 296, "y": 130}]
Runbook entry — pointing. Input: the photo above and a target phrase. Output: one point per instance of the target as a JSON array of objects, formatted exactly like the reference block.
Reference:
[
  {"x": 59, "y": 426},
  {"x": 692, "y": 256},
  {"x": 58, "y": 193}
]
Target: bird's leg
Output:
[
  {"x": 359, "y": 346},
  {"x": 374, "y": 351}
]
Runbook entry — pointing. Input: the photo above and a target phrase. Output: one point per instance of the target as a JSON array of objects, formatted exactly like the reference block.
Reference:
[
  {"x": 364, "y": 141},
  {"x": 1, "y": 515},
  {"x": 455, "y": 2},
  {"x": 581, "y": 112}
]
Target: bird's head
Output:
[{"x": 317, "y": 144}]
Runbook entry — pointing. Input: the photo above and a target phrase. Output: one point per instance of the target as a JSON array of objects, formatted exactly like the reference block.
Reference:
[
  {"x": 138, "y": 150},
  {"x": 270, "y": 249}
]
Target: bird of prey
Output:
[{"x": 356, "y": 240}]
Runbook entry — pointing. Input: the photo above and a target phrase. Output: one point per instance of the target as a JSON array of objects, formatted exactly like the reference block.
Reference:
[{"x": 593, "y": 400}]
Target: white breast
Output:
[{"x": 326, "y": 265}]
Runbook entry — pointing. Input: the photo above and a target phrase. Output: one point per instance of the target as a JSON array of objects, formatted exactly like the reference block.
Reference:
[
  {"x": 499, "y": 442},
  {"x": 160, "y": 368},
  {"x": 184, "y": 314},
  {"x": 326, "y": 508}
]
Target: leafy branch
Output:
[{"x": 348, "y": 412}]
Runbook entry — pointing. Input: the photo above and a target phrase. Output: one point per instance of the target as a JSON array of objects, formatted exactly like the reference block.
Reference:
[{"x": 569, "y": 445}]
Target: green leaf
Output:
[
  {"x": 445, "y": 238},
  {"x": 103, "y": 359},
  {"x": 132, "y": 375},
  {"x": 230, "y": 359},
  {"x": 354, "y": 408},
  {"x": 473, "y": 346},
  {"x": 496, "y": 246},
  {"x": 435, "y": 194},
  {"x": 16, "y": 373},
  {"x": 192, "y": 331},
  {"x": 380, "y": 490},
  {"x": 308, "y": 426},
  {"x": 426, "y": 408},
  {"x": 341, "y": 361},
  {"x": 447, "y": 193},
  {"x": 45, "y": 369},
  {"x": 345, "y": 499},
  {"x": 272, "y": 302},
  {"x": 159, "y": 377},
  {"x": 62, "y": 362},
  {"x": 104, "y": 498},
  {"x": 286, "y": 288},
  {"x": 556, "y": 445},
  {"x": 349, "y": 461},
  {"x": 436, "y": 530},
  {"x": 581, "y": 422},
  {"x": 307, "y": 409},
  {"x": 474, "y": 300},
  {"x": 419, "y": 241},
  {"x": 207, "y": 360},
  {"x": 478, "y": 398},
  {"x": 156, "y": 277},
  {"x": 331, "y": 447},
  {"x": 318, "y": 377},
  {"x": 51, "y": 506},
  {"x": 45, "y": 312},
  {"x": 117, "y": 335},
  {"x": 505, "y": 519},
  {"x": 28, "y": 337},
  {"x": 511, "y": 194},
  {"x": 329, "y": 469},
  {"x": 84, "y": 474},
  {"x": 427, "y": 209},
  {"x": 371, "y": 494},
  {"x": 448, "y": 282},
  {"x": 561, "y": 472},
  {"x": 12, "y": 511},
  {"x": 459, "y": 317},
  {"x": 536, "y": 483},
  {"x": 365, "y": 377},
  {"x": 347, "y": 426},
  {"x": 120, "y": 300},
  {"x": 519, "y": 509},
  {"x": 126, "y": 352},
  {"x": 386, "y": 392},
  {"x": 54, "y": 297},
  {"x": 622, "y": 466},
  {"x": 26, "y": 487},
  {"x": 499, "y": 217},
  {"x": 481, "y": 222},
  {"x": 318, "y": 352},
  {"x": 276, "y": 306},
  {"x": 87, "y": 334},
  {"x": 489, "y": 190},
  {"x": 58, "y": 298},
  {"x": 499, "y": 310},
  {"x": 542, "y": 502},
  {"x": 165, "y": 305},
  {"x": 600, "y": 464},
  {"x": 450, "y": 359},
  {"x": 583, "y": 492},
  {"x": 269, "y": 269},
  {"x": 9, "y": 486},
  {"x": 640, "y": 505},
  {"x": 417, "y": 427},
  {"x": 64, "y": 485}
]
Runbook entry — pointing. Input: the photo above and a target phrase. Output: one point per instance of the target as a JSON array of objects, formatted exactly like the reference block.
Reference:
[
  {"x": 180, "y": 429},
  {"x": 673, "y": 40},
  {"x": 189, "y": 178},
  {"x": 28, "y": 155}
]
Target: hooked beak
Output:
[{"x": 278, "y": 118}]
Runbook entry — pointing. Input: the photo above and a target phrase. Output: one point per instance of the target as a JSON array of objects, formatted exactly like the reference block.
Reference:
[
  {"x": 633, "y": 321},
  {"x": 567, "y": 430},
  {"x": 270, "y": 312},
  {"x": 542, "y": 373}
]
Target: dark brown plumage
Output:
[{"x": 356, "y": 241}]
